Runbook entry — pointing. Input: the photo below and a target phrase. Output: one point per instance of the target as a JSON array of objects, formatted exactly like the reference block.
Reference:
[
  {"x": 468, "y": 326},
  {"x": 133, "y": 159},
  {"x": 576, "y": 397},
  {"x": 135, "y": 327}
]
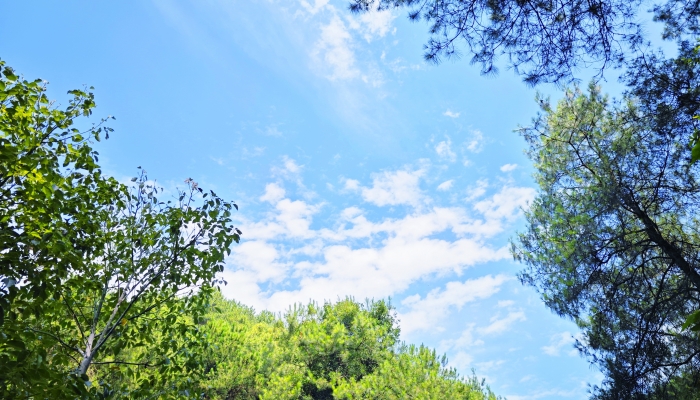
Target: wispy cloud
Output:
[
  {"x": 426, "y": 313},
  {"x": 476, "y": 142},
  {"x": 451, "y": 114},
  {"x": 500, "y": 325},
  {"x": 444, "y": 150},
  {"x": 333, "y": 52},
  {"x": 560, "y": 341},
  {"x": 272, "y": 130},
  {"x": 477, "y": 190},
  {"x": 547, "y": 393},
  {"x": 447, "y": 185},
  {"x": 314, "y": 8},
  {"x": 374, "y": 24}
]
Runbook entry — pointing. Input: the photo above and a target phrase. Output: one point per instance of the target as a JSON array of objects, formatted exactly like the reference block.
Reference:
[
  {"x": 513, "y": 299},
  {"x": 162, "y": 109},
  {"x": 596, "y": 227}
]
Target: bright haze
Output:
[{"x": 359, "y": 169}]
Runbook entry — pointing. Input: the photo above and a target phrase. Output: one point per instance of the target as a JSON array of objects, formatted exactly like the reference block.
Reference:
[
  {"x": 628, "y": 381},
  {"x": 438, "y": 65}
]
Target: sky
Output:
[{"x": 359, "y": 169}]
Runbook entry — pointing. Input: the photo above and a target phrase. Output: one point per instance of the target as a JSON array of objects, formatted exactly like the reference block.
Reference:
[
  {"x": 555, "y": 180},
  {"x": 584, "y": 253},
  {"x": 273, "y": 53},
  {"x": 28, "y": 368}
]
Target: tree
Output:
[
  {"x": 546, "y": 41},
  {"x": 612, "y": 239},
  {"x": 413, "y": 372},
  {"x": 91, "y": 267},
  {"x": 346, "y": 350},
  {"x": 50, "y": 185},
  {"x": 299, "y": 355}
]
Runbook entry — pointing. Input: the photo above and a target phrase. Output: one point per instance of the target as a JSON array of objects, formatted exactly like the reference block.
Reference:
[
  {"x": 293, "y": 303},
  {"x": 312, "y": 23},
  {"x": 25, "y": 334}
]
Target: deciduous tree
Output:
[{"x": 89, "y": 266}]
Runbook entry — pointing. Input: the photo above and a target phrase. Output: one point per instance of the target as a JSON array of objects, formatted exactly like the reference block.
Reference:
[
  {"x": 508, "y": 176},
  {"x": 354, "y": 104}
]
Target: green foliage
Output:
[
  {"x": 545, "y": 41},
  {"x": 344, "y": 350},
  {"x": 92, "y": 269},
  {"x": 612, "y": 238},
  {"x": 413, "y": 373},
  {"x": 50, "y": 186}
]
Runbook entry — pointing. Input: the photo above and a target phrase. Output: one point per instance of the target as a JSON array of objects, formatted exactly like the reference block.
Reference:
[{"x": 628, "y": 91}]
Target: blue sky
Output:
[{"x": 359, "y": 169}]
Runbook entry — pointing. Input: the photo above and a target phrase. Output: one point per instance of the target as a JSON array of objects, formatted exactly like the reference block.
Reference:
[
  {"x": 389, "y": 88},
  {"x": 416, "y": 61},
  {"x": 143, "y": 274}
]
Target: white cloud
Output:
[
  {"x": 558, "y": 342},
  {"x": 500, "y": 325},
  {"x": 374, "y": 24},
  {"x": 465, "y": 341},
  {"x": 314, "y": 8},
  {"x": 260, "y": 259},
  {"x": 364, "y": 269},
  {"x": 352, "y": 184},
  {"x": 337, "y": 54},
  {"x": 273, "y": 193},
  {"x": 489, "y": 365},
  {"x": 426, "y": 313},
  {"x": 451, "y": 114},
  {"x": 505, "y": 303},
  {"x": 272, "y": 130},
  {"x": 255, "y": 152},
  {"x": 395, "y": 188},
  {"x": 447, "y": 185},
  {"x": 478, "y": 190},
  {"x": 333, "y": 52},
  {"x": 291, "y": 219},
  {"x": 508, "y": 167},
  {"x": 476, "y": 143},
  {"x": 288, "y": 170},
  {"x": 506, "y": 204},
  {"x": 461, "y": 361},
  {"x": 291, "y": 165},
  {"x": 444, "y": 150},
  {"x": 549, "y": 393}
]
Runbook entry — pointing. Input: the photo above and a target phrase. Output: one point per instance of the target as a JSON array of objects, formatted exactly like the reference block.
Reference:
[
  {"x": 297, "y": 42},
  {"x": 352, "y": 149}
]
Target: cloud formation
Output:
[
  {"x": 447, "y": 185},
  {"x": 395, "y": 188},
  {"x": 427, "y": 313},
  {"x": 333, "y": 51},
  {"x": 500, "y": 325},
  {"x": 285, "y": 258},
  {"x": 444, "y": 150},
  {"x": 508, "y": 167},
  {"x": 373, "y": 24},
  {"x": 476, "y": 142}
]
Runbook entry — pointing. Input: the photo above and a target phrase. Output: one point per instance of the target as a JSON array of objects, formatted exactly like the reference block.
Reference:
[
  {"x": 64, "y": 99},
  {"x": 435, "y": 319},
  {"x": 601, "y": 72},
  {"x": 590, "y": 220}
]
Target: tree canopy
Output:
[
  {"x": 612, "y": 240},
  {"x": 89, "y": 266},
  {"x": 545, "y": 41},
  {"x": 346, "y": 350}
]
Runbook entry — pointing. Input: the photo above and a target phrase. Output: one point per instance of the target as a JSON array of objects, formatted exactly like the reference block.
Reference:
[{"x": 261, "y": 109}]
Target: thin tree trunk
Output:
[{"x": 668, "y": 248}]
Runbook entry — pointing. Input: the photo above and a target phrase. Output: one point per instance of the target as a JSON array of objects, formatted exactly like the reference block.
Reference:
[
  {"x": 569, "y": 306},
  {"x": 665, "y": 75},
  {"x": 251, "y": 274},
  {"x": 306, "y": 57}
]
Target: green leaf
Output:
[
  {"x": 695, "y": 151},
  {"x": 692, "y": 322},
  {"x": 9, "y": 74}
]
